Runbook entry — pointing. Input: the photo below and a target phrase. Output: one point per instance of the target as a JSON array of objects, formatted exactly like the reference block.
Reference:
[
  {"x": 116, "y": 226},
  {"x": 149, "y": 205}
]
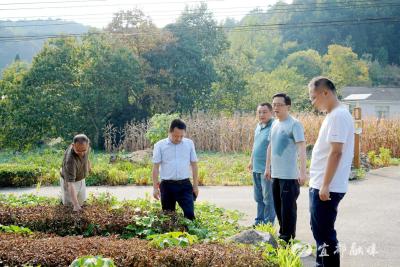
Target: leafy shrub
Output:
[
  {"x": 142, "y": 176},
  {"x": 117, "y": 177},
  {"x": 15, "y": 229},
  {"x": 159, "y": 125},
  {"x": 372, "y": 157},
  {"x": 107, "y": 176},
  {"x": 102, "y": 199},
  {"x": 283, "y": 255},
  {"x": 359, "y": 173},
  {"x": 382, "y": 160},
  {"x": 202, "y": 175},
  {"x": 50, "y": 176},
  {"x": 90, "y": 261},
  {"x": 172, "y": 239},
  {"x": 98, "y": 176},
  {"x": 213, "y": 223},
  {"x": 154, "y": 223},
  {"x": 267, "y": 228},
  {"x": 385, "y": 156},
  {"x": 143, "y": 226},
  {"x": 126, "y": 166}
]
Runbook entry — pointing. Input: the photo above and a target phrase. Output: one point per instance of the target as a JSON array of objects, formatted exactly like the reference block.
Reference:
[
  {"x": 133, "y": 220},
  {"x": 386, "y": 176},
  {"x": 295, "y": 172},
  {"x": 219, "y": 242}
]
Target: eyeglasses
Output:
[{"x": 279, "y": 105}]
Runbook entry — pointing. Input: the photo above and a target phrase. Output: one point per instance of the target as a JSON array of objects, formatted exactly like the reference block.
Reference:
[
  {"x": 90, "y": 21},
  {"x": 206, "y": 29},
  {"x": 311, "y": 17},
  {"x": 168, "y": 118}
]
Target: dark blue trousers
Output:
[
  {"x": 178, "y": 191},
  {"x": 323, "y": 217}
]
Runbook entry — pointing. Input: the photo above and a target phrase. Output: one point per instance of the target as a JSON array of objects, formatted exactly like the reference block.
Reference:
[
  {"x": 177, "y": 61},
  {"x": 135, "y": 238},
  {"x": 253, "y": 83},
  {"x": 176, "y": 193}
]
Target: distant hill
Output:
[{"x": 11, "y": 44}]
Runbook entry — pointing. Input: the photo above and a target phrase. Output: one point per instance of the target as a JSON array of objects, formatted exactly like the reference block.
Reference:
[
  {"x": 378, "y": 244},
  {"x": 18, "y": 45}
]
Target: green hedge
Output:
[{"x": 18, "y": 175}]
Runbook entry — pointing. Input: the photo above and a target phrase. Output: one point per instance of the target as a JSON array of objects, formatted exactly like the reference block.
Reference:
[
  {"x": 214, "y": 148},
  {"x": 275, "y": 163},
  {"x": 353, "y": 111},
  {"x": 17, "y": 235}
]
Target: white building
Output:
[{"x": 380, "y": 102}]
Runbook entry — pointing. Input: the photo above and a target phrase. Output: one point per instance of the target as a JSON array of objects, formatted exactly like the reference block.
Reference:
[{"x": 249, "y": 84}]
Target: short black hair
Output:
[
  {"x": 81, "y": 139},
  {"x": 288, "y": 101},
  {"x": 177, "y": 123},
  {"x": 321, "y": 82},
  {"x": 265, "y": 104}
]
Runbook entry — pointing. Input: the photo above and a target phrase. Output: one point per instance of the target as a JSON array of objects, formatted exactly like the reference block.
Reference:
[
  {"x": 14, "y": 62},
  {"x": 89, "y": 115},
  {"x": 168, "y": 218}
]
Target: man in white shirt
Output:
[
  {"x": 330, "y": 168},
  {"x": 175, "y": 160}
]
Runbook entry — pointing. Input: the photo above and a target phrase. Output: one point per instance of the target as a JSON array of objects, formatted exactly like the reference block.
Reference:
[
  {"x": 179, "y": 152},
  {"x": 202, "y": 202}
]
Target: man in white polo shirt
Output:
[
  {"x": 175, "y": 161},
  {"x": 330, "y": 168}
]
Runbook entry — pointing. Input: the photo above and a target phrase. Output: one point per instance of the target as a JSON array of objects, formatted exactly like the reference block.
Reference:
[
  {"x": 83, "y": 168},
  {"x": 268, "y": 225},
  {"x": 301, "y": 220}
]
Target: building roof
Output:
[
  {"x": 357, "y": 97},
  {"x": 371, "y": 93}
]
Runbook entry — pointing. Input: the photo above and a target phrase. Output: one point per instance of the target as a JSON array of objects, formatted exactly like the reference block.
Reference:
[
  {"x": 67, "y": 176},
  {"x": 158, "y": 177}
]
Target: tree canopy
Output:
[{"x": 132, "y": 69}]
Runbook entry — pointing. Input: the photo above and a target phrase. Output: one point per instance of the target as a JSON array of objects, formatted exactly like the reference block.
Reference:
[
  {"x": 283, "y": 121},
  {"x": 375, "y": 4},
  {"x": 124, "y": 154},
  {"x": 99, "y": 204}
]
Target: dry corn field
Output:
[{"x": 235, "y": 133}]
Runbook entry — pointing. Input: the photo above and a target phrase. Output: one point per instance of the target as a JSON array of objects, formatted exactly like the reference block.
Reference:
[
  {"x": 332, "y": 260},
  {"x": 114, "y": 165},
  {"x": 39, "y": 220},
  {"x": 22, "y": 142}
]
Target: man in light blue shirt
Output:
[
  {"x": 287, "y": 143},
  {"x": 262, "y": 186},
  {"x": 175, "y": 161}
]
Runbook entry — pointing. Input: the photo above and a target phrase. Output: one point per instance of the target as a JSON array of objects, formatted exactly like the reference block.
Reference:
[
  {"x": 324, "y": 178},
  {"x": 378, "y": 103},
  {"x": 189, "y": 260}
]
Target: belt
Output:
[{"x": 183, "y": 181}]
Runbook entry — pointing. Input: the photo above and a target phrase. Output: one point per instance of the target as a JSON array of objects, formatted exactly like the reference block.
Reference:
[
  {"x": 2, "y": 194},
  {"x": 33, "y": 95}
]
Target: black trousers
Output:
[
  {"x": 178, "y": 191},
  {"x": 322, "y": 219},
  {"x": 285, "y": 193}
]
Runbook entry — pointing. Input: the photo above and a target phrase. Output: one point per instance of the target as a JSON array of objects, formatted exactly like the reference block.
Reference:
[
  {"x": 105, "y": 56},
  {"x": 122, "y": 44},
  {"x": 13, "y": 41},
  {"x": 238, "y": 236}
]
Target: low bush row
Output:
[
  {"x": 50, "y": 250},
  {"x": 16, "y": 175},
  {"x": 93, "y": 220},
  {"x": 104, "y": 215}
]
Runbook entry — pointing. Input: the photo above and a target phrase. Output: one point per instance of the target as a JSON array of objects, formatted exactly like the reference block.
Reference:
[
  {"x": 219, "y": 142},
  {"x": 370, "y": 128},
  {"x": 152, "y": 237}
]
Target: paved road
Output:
[{"x": 368, "y": 223}]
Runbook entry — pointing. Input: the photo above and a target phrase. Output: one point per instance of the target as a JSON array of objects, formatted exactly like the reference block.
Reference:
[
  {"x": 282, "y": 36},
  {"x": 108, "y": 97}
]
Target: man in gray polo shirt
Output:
[
  {"x": 287, "y": 144},
  {"x": 174, "y": 161}
]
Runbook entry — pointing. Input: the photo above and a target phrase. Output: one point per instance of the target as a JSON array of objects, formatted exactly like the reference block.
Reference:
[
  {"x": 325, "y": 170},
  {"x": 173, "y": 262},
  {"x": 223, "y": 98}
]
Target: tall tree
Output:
[
  {"x": 344, "y": 67},
  {"x": 10, "y": 87},
  {"x": 184, "y": 69},
  {"x": 263, "y": 85},
  {"x": 109, "y": 81},
  {"x": 132, "y": 29},
  {"x": 41, "y": 106},
  {"x": 73, "y": 86},
  {"x": 307, "y": 63},
  {"x": 388, "y": 75},
  {"x": 230, "y": 87}
]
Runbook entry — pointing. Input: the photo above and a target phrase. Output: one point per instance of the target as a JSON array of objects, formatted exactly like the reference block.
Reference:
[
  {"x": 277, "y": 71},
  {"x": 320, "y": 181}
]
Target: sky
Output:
[{"x": 98, "y": 13}]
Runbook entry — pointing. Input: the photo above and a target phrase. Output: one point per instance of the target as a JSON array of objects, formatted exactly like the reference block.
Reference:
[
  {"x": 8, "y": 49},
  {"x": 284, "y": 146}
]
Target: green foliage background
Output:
[{"x": 132, "y": 70}]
